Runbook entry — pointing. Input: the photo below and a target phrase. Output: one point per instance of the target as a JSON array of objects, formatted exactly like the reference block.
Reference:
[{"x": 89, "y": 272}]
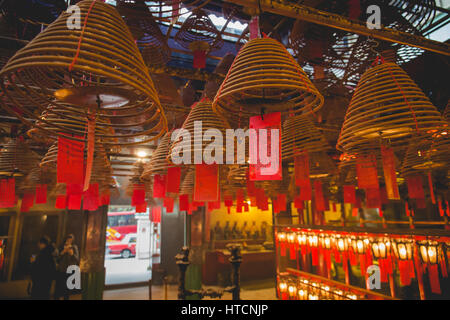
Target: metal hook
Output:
[{"x": 372, "y": 45}]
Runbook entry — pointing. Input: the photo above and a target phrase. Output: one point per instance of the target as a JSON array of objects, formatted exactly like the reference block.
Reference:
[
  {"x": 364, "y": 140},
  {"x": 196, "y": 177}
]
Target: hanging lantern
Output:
[
  {"x": 380, "y": 249},
  {"x": 265, "y": 76},
  {"x": 283, "y": 290},
  {"x": 291, "y": 239},
  {"x": 403, "y": 250},
  {"x": 431, "y": 255},
  {"x": 429, "y": 251}
]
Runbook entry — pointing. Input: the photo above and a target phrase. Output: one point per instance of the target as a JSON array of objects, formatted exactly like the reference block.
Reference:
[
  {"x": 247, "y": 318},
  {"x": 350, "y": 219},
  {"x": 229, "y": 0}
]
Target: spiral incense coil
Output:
[
  {"x": 387, "y": 104},
  {"x": 50, "y": 159},
  {"x": 202, "y": 112},
  {"x": 446, "y": 114},
  {"x": 96, "y": 70},
  {"x": 66, "y": 121},
  {"x": 136, "y": 172},
  {"x": 146, "y": 31},
  {"x": 298, "y": 135},
  {"x": 16, "y": 159},
  {"x": 187, "y": 186},
  {"x": 34, "y": 178},
  {"x": 321, "y": 166},
  {"x": 237, "y": 176},
  {"x": 199, "y": 32},
  {"x": 158, "y": 162},
  {"x": 425, "y": 155},
  {"x": 265, "y": 76}
]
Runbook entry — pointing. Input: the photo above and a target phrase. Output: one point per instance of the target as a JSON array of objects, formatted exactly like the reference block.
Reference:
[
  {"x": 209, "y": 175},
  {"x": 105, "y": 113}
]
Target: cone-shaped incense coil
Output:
[
  {"x": 425, "y": 155},
  {"x": 198, "y": 32},
  {"x": 65, "y": 120},
  {"x": 265, "y": 76},
  {"x": 167, "y": 9},
  {"x": 158, "y": 162},
  {"x": 446, "y": 113},
  {"x": 237, "y": 176},
  {"x": 49, "y": 161},
  {"x": 146, "y": 31},
  {"x": 321, "y": 166},
  {"x": 16, "y": 159},
  {"x": 187, "y": 186},
  {"x": 135, "y": 181},
  {"x": 386, "y": 104},
  {"x": 97, "y": 68},
  {"x": 299, "y": 134},
  {"x": 201, "y": 114}
]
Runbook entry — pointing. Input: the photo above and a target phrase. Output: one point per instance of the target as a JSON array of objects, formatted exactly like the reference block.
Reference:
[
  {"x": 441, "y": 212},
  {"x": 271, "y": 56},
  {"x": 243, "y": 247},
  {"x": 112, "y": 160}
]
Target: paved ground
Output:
[
  {"x": 158, "y": 293},
  {"x": 120, "y": 270}
]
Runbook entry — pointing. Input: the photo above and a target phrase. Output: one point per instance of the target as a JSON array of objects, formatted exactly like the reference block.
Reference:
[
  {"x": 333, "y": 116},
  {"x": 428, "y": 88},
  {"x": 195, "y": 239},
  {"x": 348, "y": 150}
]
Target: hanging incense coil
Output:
[
  {"x": 198, "y": 32},
  {"x": 425, "y": 155},
  {"x": 146, "y": 31},
  {"x": 168, "y": 9},
  {"x": 321, "y": 166},
  {"x": 237, "y": 176},
  {"x": 387, "y": 104},
  {"x": 213, "y": 85},
  {"x": 66, "y": 121},
  {"x": 158, "y": 162},
  {"x": 202, "y": 112},
  {"x": 34, "y": 178},
  {"x": 298, "y": 135},
  {"x": 104, "y": 76},
  {"x": 187, "y": 186},
  {"x": 50, "y": 159},
  {"x": 16, "y": 159},
  {"x": 135, "y": 181},
  {"x": 446, "y": 114},
  {"x": 265, "y": 76}
]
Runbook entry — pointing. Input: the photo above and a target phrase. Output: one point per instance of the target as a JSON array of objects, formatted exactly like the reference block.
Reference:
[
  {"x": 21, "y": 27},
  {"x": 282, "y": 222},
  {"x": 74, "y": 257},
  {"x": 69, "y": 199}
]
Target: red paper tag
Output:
[
  {"x": 281, "y": 199},
  {"x": 168, "y": 204},
  {"x": 366, "y": 168},
  {"x": 298, "y": 203},
  {"x": 60, "y": 202},
  {"x": 319, "y": 198},
  {"x": 74, "y": 193},
  {"x": 199, "y": 59},
  {"x": 173, "y": 179},
  {"x": 206, "y": 186},
  {"x": 305, "y": 193},
  {"x": 184, "y": 202},
  {"x": 373, "y": 198},
  {"x": 301, "y": 170},
  {"x": 70, "y": 161},
  {"x": 415, "y": 187},
  {"x": 159, "y": 186},
  {"x": 156, "y": 214},
  {"x": 138, "y": 197},
  {"x": 254, "y": 27},
  {"x": 390, "y": 177},
  {"x": 41, "y": 193},
  {"x": 268, "y": 167},
  {"x": 91, "y": 199},
  {"x": 141, "y": 208}
]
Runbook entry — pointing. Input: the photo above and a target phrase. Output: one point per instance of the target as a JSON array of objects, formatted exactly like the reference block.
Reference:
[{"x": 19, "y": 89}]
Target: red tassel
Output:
[
  {"x": 314, "y": 256},
  {"x": 206, "y": 186},
  {"x": 405, "y": 273},
  {"x": 159, "y": 186},
  {"x": 433, "y": 275},
  {"x": 292, "y": 251},
  {"x": 390, "y": 178},
  {"x": 430, "y": 184},
  {"x": 173, "y": 179}
]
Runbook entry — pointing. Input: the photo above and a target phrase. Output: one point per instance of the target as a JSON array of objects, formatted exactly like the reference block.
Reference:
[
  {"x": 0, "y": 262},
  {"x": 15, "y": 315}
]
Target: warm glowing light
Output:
[
  {"x": 141, "y": 153},
  {"x": 283, "y": 286}
]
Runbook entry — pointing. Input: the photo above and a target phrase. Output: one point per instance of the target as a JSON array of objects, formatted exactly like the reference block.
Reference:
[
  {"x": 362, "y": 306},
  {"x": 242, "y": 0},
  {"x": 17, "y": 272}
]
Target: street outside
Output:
[{"x": 120, "y": 270}]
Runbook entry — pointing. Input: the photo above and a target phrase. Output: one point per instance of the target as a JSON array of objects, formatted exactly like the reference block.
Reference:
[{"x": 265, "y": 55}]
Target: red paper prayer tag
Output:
[
  {"x": 173, "y": 179},
  {"x": 168, "y": 204},
  {"x": 70, "y": 161},
  {"x": 41, "y": 193},
  {"x": 390, "y": 178},
  {"x": 184, "y": 202},
  {"x": 159, "y": 186},
  {"x": 301, "y": 170},
  {"x": 265, "y": 166},
  {"x": 415, "y": 187},
  {"x": 206, "y": 187},
  {"x": 156, "y": 214},
  {"x": 319, "y": 198},
  {"x": 366, "y": 169}
]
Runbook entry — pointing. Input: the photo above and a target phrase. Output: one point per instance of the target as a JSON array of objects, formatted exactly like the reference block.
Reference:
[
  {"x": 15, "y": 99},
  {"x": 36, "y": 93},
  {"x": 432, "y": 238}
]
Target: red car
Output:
[{"x": 126, "y": 247}]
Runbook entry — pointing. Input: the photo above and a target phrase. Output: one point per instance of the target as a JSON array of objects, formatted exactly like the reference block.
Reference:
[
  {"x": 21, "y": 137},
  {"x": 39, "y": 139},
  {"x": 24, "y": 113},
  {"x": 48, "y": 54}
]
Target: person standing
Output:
[
  {"x": 43, "y": 269},
  {"x": 68, "y": 255}
]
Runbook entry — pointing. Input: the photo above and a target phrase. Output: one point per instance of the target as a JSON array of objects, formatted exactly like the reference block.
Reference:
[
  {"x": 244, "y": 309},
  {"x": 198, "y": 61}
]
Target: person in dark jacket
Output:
[
  {"x": 43, "y": 268},
  {"x": 68, "y": 255}
]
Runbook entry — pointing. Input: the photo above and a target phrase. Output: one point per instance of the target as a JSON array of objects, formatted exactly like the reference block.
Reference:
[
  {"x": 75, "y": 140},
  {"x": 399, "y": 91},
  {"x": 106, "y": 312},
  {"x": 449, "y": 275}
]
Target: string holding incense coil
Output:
[
  {"x": 146, "y": 31},
  {"x": 158, "y": 163},
  {"x": 202, "y": 111},
  {"x": 16, "y": 159},
  {"x": 299, "y": 134},
  {"x": 386, "y": 105},
  {"x": 198, "y": 32},
  {"x": 265, "y": 76},
  {"x": 96, "y": 70}
]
